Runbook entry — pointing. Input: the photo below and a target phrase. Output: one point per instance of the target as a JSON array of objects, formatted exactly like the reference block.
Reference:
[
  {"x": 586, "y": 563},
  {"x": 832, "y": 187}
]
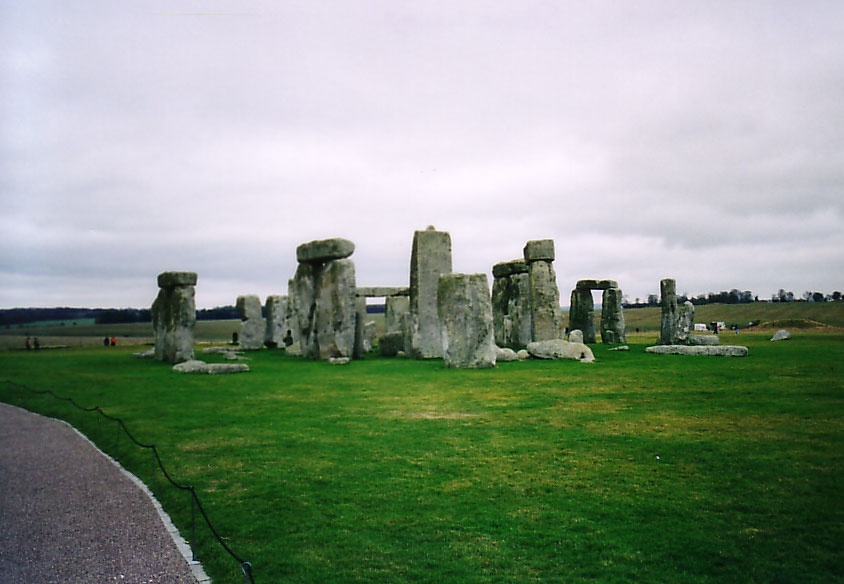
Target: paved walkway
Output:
[{"x": 70, "y": 514}]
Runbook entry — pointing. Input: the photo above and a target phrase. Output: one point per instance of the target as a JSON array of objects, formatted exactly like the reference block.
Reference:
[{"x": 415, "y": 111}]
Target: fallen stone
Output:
[
  {"x": 621, "y": 348},
  {"x": 339, "y": 361},
  {"x": 505, "y": 354},
  {"x": 576, "y": 336},
  {"x": 196, "y": 366},
  {"x": 704, "y": 340},
  {"x": 781, "y": 335},
  {"x": 324, "y": 250},
  {"x": 560, "y": 349},
  {"x": 522, "y": 354},
  {"x": 149, "y": 354},
  {"x": 391, "y": 344},
  {"x": 716, "y": 351}
]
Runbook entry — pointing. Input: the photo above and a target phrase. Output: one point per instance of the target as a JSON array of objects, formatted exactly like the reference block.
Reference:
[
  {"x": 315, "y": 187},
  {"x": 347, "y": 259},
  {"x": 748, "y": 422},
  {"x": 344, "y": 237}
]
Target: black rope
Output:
[{"x": 245, "y": 566}]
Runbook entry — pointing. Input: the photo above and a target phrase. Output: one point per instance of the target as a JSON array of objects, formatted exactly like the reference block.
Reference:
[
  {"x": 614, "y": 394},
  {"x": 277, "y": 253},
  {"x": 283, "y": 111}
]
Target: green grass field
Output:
[{"x": 637, "y": 467}]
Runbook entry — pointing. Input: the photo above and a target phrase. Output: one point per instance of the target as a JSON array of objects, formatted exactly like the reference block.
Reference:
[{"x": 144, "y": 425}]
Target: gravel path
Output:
[{"x": 68, "y": 514}]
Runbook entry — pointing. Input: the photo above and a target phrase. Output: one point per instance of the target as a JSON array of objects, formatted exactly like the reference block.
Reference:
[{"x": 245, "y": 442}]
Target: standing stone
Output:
[
  {"x": 612, "y": 317},
  {"x": 582, "y": 313},
  {"x": 430, "y": 257},
  {"x": 174, "y": 316},
  {"x": 325, "y": 299},
  {"x": 291, "y": 338},
  {"x": 685, "y": 323},
  {"x": 252, "y": 327},
  {"x": 668, "y": 303},
  {"x": 511, "y": 311},
  {"x": 465, "y": 311},
  {"x": 546, "y": 321},
  {"x": 275, "y": 308},
  {"x": 360, "y": 325}
]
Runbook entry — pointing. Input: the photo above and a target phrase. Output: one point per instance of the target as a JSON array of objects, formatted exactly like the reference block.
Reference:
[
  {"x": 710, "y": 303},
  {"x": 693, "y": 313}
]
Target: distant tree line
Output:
[
  {"x": 736, "y": 296},
  {"x": 20, "y": 316}
]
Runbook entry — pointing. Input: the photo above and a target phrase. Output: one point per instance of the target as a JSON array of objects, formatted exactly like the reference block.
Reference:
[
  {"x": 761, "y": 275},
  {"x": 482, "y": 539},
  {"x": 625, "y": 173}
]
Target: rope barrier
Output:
[{"x": 245, "y": 567}]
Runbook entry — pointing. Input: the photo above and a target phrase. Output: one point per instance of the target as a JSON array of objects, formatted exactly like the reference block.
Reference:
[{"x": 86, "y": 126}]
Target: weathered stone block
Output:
[
  {"x": 546, "y": 319},
  {"x": 582, "y": 313},
  {"x": 465, "y": 311},
  {"x": 395, "y": 307},
  {"x": 669, "y": 317},
  {"x": 252, "y": 326},
  {"x": 612, "y": 317},
  {"x": 324, "y": 250},
  {"x": 173, "y": 319},
  {"x": 171, "y": 279},
  {"x": 275, "y": 308},
  {"x": 539, "y": 250},
  {"x": 560, "y": 349},
  {"x": 430, "y": 258},
  {"x": 505, "y": 269}
]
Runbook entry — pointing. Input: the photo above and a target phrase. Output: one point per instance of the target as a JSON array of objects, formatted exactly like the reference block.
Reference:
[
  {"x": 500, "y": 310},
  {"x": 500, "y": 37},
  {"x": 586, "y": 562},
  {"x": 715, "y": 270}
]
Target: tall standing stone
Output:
[
  {"x": 252, "y": 327},
  {"x": 582, "y": 313},
  {"x": 174, "y": 316},
  {"x": 465, "y": 313},
  {"x": 324, "y": 287},
  {"x": 430, "y": 258},
  {"x": 668, "y": 304},
  {"x": 612, "y": 317},
  {"x": 395, "y": 307},
  {"x": 511, "y": 309},
  {"x": 546, "y": 320},
  {"x": 275, "y": 308},
  {"x": 291, "y": 338}
]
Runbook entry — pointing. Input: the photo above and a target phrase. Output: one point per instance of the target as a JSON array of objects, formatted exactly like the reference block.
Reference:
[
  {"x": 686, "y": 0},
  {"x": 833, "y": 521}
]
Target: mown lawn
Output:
[{"x": 637, "y": 467}]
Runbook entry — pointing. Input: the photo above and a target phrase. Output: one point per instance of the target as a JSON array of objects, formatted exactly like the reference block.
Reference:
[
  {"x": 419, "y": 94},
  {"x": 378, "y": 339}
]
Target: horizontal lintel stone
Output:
[
  {"x": 381, "y": 291},
  {"x": 324, "y": 250},
  {"x": 596, "y": 284},
  {"x": 171, "y": 279},
  {"x": 504, "y": 269}
]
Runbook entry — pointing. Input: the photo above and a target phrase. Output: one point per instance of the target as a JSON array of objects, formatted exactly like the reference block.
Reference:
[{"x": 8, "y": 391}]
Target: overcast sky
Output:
[{"x": 702, "y": 141}]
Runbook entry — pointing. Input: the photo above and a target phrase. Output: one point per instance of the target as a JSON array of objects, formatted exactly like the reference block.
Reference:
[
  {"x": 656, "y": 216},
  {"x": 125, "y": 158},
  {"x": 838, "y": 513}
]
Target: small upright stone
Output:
[
  {"x": 275, "y": 308},
  {"x": 685, "y": 322}
]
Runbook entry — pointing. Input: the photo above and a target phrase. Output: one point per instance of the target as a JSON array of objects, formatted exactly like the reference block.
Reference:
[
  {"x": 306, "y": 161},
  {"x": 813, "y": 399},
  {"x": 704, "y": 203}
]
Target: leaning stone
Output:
[
  {"x": 705, "y": 340},
  {"x": 505, "y": 269},
  {"x": 324, "y": 250},
  {"x": 717, "y": 351},
  {"x": 505, "y": 354},
  {"x": 781, "y": 335},
  {"x": 171, "y": 279},
  {"x": 465, "y": 311},
  {"x": 339, "y": 361},
  {"x": 576, "y": 336},
  {"x": 539, "y": 250},
  {"x": 560, "y": 349}
]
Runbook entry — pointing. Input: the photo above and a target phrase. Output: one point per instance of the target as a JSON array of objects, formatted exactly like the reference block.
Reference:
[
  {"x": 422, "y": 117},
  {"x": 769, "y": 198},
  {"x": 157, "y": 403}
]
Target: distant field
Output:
[{"x": 820, "y": 317}]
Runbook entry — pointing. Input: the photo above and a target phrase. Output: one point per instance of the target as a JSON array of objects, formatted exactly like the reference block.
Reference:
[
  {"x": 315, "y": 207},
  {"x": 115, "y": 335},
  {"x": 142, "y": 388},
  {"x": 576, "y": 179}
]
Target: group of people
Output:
[
  {"x": 32, "y": 343},
  {"x": 109, "y": 342}
]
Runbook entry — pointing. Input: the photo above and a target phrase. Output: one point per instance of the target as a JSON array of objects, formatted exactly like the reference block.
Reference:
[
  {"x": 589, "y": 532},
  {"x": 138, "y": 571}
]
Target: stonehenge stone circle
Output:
[
  {"x": 430, "y": 258},
  {"x": 174, "y": 316},
  {"x": 668, "y": 304},
  {"x": 546, "y": 321},
  {"x": 582, "y": 311},
  {"x": 465, "y": 313},
  {"x": 252, "y": 327},
  {"x": 325, "y": 299},
  {"x": 511, "y": 312}
]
